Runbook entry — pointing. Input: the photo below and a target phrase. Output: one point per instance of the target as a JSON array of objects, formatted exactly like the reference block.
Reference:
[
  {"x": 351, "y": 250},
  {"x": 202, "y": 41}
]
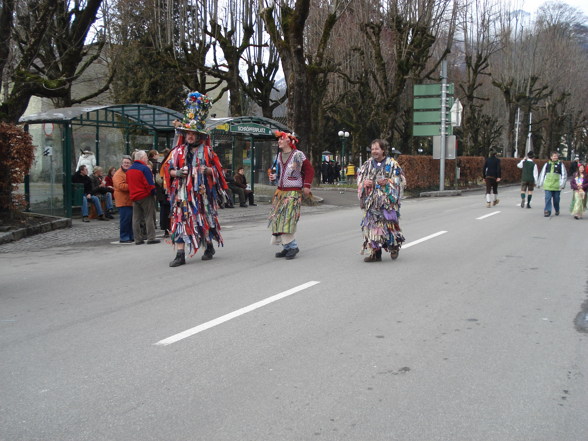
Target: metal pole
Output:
[
  {"x": 517, "y": 132},
  {"x": 443, "y": 124}
]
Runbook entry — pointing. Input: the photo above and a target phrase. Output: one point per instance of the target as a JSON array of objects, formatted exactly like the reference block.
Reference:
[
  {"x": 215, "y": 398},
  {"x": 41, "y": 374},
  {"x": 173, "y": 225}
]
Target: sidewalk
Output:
[{"x": 97, "y": 232}]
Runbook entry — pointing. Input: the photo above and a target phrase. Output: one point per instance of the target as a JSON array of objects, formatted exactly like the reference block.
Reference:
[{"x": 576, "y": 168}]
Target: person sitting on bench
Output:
[{"x": 81, "y": 177}]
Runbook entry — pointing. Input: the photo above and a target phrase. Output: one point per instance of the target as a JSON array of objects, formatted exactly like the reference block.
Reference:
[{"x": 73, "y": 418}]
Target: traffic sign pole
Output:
[{"x": 443, "y": 124}]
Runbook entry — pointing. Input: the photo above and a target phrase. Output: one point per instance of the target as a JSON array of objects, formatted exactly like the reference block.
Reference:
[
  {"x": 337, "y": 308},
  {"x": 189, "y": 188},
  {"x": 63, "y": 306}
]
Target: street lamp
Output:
[{"x": 344, "y": 137}]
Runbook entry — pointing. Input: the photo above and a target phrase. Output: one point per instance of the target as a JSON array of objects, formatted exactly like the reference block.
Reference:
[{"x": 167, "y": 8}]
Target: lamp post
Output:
[{"x": 344, "y": 137}]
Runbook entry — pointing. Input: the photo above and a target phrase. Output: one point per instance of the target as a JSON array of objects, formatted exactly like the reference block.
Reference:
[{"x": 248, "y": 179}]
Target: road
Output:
[{"x": 469, "y": 335}]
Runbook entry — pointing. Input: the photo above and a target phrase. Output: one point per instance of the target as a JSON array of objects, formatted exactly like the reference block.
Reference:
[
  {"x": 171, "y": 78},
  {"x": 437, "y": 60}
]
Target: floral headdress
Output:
[
  {"x": 196, "y": 110},
  {"x": 289, "y": 136}
]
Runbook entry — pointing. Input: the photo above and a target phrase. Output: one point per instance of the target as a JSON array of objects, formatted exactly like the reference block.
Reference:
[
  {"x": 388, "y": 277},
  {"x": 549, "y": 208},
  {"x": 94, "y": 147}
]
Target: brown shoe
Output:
[{"x": 373, "y": 258}]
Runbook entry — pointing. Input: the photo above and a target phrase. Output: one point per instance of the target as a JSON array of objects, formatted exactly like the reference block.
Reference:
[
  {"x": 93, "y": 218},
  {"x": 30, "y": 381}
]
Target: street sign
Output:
[
  {"x": 429, "y": 130},
  {"x": 450, "y": 150},
  {"x": 456, "y": 112},
  {"x": 433, "y": 116},
  {"x": 428, "y": 107},
  {"x": 251, "y": 129},
  {"x": 431, "y": 89}
]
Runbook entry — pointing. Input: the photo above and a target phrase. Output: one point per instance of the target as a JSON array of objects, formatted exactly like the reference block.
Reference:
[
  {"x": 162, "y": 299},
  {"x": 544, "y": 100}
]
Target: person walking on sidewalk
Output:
[
  {"x": 195, "y": 184},
  {"x": 492, "y": 175},
  {"x": 294, "y": 181},
  {"x": 141, "y": 191},
  {"x": 123, "y": 201},
  {"x": 529, "y": 178},
  {"x": 552, "y": 178}
]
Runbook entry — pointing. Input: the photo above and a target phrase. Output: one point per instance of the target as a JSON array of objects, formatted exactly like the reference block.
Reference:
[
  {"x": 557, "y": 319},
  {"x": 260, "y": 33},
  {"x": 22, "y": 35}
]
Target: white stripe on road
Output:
[
  {"x": 203, "y": 327},
  {"x": 416, "y": 242},
  {"x": 488, "y": 215}
]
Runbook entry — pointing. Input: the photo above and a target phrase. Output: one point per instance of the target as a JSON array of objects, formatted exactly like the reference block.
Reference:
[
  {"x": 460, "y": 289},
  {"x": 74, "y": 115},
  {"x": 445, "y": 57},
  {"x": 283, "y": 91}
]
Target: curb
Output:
[{"x": 54, "y": 224}]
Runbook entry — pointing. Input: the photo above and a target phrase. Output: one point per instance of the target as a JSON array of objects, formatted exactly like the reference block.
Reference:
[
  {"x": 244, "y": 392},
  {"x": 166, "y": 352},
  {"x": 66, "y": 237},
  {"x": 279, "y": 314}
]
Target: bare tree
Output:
[
  {"x": 303, "y": 48},
  {"x": 47, "y": 46}
]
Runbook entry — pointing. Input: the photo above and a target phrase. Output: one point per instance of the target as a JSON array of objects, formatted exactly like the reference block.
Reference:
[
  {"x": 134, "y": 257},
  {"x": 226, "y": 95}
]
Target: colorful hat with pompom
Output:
[{"x": 196, "y": 110}]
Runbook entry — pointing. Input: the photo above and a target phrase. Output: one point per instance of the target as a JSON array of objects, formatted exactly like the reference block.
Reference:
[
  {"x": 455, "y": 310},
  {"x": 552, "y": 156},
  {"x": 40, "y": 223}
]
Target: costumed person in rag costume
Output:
[
  {"x": 195, "y": 184},
  {"x": 378, "y": 189},
  {"x": 293, "y": 176}
]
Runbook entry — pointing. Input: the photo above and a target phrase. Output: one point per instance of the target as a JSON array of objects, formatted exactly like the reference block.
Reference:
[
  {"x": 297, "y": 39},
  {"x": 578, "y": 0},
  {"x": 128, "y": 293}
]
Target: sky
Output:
[{"x": 533, "y": 5}]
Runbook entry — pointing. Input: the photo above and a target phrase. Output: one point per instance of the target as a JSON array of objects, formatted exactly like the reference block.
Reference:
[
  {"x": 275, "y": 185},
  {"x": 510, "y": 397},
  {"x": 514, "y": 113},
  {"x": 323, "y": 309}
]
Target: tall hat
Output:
[{"x": 196, "y": 110}]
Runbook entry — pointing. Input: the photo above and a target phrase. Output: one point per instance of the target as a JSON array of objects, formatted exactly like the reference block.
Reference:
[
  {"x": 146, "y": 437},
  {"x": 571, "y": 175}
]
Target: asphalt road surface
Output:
[{"x": 475, "y": 333}]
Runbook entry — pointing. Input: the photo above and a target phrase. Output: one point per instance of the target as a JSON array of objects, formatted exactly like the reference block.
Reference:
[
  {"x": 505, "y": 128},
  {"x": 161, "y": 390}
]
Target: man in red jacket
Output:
[{"x": 141, "y": 190}]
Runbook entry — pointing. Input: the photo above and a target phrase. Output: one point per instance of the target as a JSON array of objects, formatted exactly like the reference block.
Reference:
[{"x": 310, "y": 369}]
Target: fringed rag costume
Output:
[
  {"x": 195, "y": 198},
  {"x": 295, "y": 173},
  {"x": 380, "y": 205}
]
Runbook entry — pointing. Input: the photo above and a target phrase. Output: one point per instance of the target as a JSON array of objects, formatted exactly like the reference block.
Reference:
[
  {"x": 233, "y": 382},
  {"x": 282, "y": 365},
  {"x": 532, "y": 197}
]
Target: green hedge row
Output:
[{"x": 422, "y": 172}]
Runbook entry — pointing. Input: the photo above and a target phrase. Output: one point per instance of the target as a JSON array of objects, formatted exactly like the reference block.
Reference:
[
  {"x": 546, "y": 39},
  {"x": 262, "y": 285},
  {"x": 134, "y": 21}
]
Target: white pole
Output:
[{"x": 443, "y": 124}]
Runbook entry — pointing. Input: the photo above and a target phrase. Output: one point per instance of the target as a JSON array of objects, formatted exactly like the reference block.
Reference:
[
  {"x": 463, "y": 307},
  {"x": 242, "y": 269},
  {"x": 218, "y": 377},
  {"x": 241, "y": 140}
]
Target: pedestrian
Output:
[
  {"x": 294, "y": 181},
  {"x": 529, "y": 178},
  {"x": 574, "y": 165},
  {"x": 161, "y": 194},
  {"x": 123, "y": 201},
  {"x": 142, "y": 191},
  {"x": 88, "y": 159},
  {"x": 196, "y": 184},
  {"x": 579, "y": 183},
  {"x": 492, "y": 175},
  {"x": 350, "y": 173},
  {"x": 552, "y": 178},
  {"x": 378, "y": 190}
]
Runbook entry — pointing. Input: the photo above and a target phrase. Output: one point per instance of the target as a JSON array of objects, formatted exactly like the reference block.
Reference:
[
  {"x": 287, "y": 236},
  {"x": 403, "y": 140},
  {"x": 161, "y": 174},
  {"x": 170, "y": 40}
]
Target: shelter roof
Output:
[{"x": 155, "y": 118}]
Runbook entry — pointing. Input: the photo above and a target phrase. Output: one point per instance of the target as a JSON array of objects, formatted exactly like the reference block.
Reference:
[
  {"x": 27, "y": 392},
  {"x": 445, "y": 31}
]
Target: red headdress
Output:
[{"x": 289, "y": 136}]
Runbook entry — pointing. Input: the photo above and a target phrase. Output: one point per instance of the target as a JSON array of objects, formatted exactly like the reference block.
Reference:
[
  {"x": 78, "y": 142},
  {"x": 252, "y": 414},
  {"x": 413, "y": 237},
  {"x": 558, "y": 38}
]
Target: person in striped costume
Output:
[{"x": 294, "y": 177}]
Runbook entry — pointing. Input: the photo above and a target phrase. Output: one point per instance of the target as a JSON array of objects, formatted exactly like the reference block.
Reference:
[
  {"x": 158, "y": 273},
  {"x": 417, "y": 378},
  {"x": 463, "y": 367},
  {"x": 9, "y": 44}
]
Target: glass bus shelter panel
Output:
[
  {"x": 46, "y": 173},
  {"x": 265, "y": 155}
]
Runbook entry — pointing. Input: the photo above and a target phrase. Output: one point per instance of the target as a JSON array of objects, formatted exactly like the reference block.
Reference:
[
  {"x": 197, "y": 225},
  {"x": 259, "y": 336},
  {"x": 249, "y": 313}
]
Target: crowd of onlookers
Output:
[{"x": 140, "y": 193}]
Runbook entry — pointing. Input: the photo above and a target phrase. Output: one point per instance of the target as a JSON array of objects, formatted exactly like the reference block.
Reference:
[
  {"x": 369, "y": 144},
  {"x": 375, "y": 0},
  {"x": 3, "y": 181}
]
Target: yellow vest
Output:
[{"x": 351, "y": 170}]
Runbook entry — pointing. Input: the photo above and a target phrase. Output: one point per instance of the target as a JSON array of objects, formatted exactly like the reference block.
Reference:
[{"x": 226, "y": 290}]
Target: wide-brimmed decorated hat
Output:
[{"x": 196, "y": 107}]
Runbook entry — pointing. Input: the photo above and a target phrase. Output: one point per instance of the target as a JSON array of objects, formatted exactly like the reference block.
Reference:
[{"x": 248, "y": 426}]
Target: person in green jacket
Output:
[
  {"x": 553, "y": 179},
  {"x": 529, "y": 178}
]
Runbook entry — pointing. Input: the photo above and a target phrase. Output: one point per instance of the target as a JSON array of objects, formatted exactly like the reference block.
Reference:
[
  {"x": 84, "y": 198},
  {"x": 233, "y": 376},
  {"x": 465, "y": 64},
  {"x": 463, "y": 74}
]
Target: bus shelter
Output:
[
  {"x": 60, "y": 135},
  {"x": 248, "y": 142}
]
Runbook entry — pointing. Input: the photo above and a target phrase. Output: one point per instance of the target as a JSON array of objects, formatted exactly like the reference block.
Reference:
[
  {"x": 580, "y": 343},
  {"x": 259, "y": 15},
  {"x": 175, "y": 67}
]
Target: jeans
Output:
[
  {"x": 126, "y": 223},
  {"x": 108, "y": 199},
  {"x": 552, "y": 194},
  {"x": 291, "y": 245},
  {"x": 96, "y": 203}
]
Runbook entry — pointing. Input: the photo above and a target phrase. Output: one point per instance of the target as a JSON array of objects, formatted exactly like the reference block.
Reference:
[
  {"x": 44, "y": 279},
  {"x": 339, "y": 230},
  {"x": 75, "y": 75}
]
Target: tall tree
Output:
[
  {"x": 305, "y": 65},
  {"x": 48, "y": 52}
]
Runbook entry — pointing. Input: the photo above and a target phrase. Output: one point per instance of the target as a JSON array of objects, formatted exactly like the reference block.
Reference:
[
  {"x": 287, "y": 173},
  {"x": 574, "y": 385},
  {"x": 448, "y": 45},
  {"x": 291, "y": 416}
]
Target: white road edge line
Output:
[
  {"x": 488, "y": 215},
  {"x": 416, "y": 242},
  {"x": 204, "y": 326}
]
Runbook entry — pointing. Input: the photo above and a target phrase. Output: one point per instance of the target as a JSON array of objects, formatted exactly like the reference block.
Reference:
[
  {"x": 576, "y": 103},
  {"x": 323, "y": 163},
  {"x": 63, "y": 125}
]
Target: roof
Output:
[{"x": 155, "y": 118}]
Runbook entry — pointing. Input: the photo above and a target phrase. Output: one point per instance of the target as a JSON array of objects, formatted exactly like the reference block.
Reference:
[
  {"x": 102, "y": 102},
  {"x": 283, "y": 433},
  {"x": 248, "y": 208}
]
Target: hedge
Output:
[{"x": 422, "y": 172}]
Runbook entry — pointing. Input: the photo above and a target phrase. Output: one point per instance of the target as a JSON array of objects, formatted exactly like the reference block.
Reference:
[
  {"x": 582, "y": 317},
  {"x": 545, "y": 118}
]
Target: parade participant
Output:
[
  {"x": 294, "y": 180},
  {"x": 579, "y": 184},
  {"x": 528, "y": 179},
  {"x": 378, "y": 190},
  {"x": 552, "y": 178},
  {"x": 195, "y": 184},
  {"x": 492, "y": 175}
]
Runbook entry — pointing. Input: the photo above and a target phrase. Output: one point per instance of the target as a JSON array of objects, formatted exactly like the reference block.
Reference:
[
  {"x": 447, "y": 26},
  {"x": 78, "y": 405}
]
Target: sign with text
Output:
[{"x": 251, "y": 129}]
